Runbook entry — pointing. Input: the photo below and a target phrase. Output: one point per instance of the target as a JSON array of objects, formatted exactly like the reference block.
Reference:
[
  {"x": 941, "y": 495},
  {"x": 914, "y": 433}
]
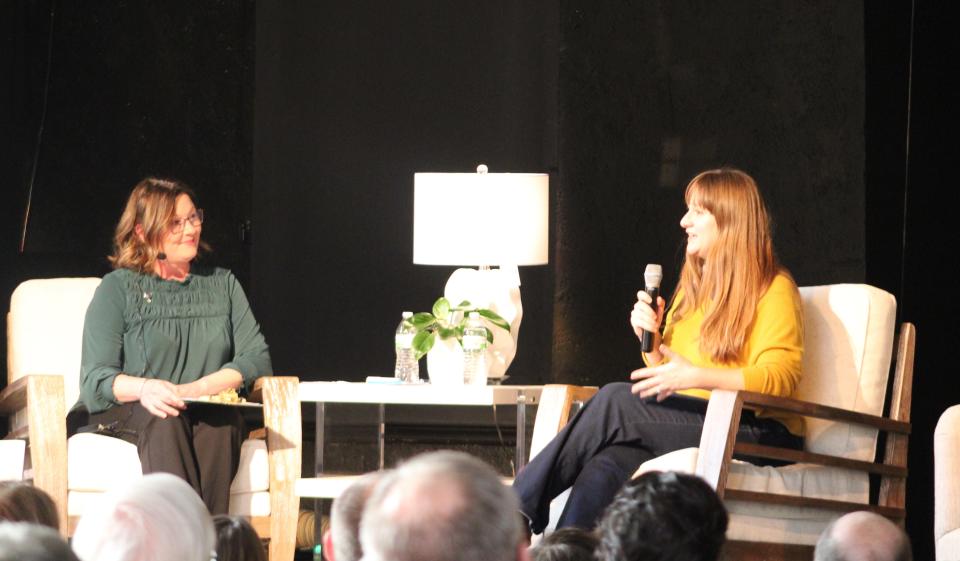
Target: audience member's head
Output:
[
  {"x": 565, "y": 544},
  {"x": 20, "y": 502},
  {"x": 237, "y": 540},
  {"x": 441, "y": 506},
  {"x": 663, "y": 516},
  {"x": 342, "y": 541},
  {"x": 159, "y": 517},
  {"x": 24, "y": 541},
  {"x": 863, "y": 536}
]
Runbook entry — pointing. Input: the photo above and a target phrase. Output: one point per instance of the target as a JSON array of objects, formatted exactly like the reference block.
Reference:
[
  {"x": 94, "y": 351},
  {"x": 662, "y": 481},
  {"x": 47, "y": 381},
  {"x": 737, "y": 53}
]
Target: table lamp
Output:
[{"x": 483, "y": 219}]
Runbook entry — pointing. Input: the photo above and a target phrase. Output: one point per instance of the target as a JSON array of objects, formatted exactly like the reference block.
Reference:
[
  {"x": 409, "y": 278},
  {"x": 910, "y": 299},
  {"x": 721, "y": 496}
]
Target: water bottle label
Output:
[
  {"x": 474, "y": 342},
  {"x": 403, "y": 340}
]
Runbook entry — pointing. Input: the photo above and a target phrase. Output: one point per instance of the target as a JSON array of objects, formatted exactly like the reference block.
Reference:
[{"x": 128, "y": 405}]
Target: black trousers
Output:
[
  {"x": 201, "y": 445},
  {"x": 602, "y": 446}
]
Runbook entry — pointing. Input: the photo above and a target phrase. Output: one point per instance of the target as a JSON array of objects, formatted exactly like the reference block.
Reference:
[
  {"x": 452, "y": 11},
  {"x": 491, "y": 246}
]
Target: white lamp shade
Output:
[{"x": 480, "y": 218}]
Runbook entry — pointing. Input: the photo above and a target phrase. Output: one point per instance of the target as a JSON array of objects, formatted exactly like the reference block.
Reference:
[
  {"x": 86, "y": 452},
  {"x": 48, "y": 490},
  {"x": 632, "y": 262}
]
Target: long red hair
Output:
[{"x": 728, "y": 283}]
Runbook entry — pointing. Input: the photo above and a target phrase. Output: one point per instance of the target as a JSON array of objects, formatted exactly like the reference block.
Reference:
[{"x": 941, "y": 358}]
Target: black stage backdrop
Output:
[
  {"x": 309, "y": 120},
  {"x": 351, "y": 101},
  {"x": 134, "y": 89}
]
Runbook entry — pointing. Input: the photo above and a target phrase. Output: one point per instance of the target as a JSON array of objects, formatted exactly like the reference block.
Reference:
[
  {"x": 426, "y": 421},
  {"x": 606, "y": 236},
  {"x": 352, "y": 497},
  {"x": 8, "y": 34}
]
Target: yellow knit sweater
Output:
[{"x": 771, "y": 357}]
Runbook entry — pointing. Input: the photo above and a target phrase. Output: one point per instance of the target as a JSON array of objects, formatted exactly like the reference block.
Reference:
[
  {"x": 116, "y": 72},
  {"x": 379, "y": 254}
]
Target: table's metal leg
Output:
[
  {"x": 520, "y": 459},
  {"x": 381, "y": 436},
  {"x": 318, "y": 470}
]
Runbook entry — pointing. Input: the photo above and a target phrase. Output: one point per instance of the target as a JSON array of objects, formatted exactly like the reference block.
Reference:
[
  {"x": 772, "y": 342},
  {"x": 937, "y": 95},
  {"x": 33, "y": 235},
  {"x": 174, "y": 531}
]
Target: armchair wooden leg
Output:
[
  {"x": 48, "y": 440},
  {"x": 281, "y": 411},
  {"x": 718, "y": 438}
]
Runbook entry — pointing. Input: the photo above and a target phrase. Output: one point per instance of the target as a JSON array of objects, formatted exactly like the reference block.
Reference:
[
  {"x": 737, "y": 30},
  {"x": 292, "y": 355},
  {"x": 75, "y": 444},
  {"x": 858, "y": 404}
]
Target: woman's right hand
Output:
[
  {"x": 644, "y": 318},
  {"x": 160, "y": 398}
]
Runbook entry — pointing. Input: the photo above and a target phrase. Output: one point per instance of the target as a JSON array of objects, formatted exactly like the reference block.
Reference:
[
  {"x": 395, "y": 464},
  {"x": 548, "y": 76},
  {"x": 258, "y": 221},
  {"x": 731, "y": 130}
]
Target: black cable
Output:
[
  {"x": 43, "y": 118},
  {"x": 906, "y": 163}
]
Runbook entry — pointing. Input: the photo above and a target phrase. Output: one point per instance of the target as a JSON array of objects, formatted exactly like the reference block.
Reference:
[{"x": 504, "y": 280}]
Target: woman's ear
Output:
[{"x": 138, "y": 230}]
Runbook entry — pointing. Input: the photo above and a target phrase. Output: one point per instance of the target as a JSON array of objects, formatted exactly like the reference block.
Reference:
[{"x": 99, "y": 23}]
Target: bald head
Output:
[
  {"x": 863, "y": 536},
  {"x": 441, "y": 506},
  {"x": 440, "y": 497}
]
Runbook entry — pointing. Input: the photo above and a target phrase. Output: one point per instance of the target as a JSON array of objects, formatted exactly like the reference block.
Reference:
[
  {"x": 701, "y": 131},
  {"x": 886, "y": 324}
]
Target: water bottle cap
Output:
[{"x": 407, "y": 315}]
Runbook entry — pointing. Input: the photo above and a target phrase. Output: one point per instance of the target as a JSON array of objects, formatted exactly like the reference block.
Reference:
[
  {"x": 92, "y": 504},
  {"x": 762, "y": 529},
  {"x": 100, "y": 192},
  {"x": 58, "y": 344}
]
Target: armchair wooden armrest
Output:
[
  {"x": 718, "y": 441},
  {"x": 35, "y": 406},
  {"x": 282, "y": 424},
  {"x": 556, "y": 402}
]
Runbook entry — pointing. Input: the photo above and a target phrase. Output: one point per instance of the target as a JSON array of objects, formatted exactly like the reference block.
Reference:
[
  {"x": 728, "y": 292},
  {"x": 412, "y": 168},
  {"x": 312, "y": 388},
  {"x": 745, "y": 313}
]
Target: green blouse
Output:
[{"x": 145, "y": 326}]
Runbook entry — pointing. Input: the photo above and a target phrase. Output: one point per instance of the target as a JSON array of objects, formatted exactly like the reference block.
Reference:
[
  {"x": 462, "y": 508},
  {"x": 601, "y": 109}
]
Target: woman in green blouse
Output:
[{"x": 161, "y": 329}]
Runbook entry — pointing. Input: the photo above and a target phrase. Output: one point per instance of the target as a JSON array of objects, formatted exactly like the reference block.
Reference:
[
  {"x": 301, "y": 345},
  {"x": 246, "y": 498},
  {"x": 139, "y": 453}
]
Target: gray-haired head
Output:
[
  {"x": 345, "y": 515},
  {"x": 159, "y": 517},
  {"x": 24, "y": 541},
  {"x": 863, "y": 536},
  {"x": 441, "y": 506}
]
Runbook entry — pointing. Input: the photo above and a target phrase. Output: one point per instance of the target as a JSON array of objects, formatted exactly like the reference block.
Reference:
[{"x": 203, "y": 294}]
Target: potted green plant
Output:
[{"x": 445, "y": 324}]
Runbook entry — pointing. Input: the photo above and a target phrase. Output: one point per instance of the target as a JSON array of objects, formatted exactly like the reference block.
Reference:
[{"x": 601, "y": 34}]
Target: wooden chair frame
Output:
[
  {"x": 35, "y": 406},
  {"x": 553, "y": 412},
  {"x": 718, "y": 446}
]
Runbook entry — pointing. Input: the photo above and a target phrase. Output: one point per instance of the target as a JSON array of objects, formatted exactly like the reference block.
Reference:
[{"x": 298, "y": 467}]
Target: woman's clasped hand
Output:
[{"x": 661, "y": 381}]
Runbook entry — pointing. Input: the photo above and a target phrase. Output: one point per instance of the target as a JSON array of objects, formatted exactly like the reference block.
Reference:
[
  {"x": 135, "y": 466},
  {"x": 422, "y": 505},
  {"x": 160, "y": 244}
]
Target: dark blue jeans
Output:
[{"x": 602, "y": 446}]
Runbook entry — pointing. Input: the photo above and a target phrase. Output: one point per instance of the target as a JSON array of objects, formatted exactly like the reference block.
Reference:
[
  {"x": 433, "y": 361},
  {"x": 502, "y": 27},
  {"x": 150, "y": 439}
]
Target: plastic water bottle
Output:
[
  {"x": 474, "y": 351},
  {"x": 407, "y": 368}
]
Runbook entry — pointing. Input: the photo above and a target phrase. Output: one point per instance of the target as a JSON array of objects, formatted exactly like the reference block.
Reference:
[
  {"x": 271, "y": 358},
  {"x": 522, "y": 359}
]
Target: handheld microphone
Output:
[{"x": 652, "y": 276}]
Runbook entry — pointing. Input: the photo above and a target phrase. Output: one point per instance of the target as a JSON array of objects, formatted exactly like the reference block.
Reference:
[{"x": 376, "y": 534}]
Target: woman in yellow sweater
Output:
[{"x": 734, "y": 323}]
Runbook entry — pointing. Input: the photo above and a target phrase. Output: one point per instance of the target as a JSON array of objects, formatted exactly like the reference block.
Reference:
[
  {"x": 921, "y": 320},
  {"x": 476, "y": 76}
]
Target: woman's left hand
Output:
[
  {"x": 211, "y": 384},
  {"x": 193, "y": 389},
  {"x": 663, "y": 380}
]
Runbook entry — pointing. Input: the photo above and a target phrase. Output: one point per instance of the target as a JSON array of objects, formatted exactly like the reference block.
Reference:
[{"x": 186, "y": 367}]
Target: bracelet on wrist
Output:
[{"x": 142, "y": 385}]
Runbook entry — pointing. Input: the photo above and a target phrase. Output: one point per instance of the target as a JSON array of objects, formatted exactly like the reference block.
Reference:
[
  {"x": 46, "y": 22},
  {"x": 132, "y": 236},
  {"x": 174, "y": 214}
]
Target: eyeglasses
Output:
[{"x": 195, "y": 220}]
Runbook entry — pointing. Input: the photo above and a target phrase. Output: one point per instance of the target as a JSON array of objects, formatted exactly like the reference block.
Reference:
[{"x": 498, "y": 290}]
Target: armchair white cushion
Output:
[
  {"x": 848, "y": 341},
  {"x": 946, "y": 454},
  {"x": 12, "y": 453},
  {"x": 38, "y": 344},
  {"x": 45, "y": 328}
]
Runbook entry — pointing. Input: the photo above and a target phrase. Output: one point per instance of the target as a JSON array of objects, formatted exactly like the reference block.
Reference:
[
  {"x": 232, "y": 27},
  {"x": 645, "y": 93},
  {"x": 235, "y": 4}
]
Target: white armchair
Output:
[
  {"x": 779, "y": 512},
  {"x": 44, "y": 330},
  {"x": 946, "y": 476}
]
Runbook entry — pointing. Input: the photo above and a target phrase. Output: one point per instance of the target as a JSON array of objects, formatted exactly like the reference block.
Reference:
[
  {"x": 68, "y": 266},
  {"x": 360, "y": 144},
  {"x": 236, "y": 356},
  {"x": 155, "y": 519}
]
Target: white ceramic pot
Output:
[{"x": 445, "y": 363}]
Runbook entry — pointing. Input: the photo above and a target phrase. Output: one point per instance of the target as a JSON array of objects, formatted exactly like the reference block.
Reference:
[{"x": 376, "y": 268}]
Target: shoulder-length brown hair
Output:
[
  {"x": 152, "y": 205},
  {"x": 728, "y": 283},
  {"x": 20, "y": 502}
]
